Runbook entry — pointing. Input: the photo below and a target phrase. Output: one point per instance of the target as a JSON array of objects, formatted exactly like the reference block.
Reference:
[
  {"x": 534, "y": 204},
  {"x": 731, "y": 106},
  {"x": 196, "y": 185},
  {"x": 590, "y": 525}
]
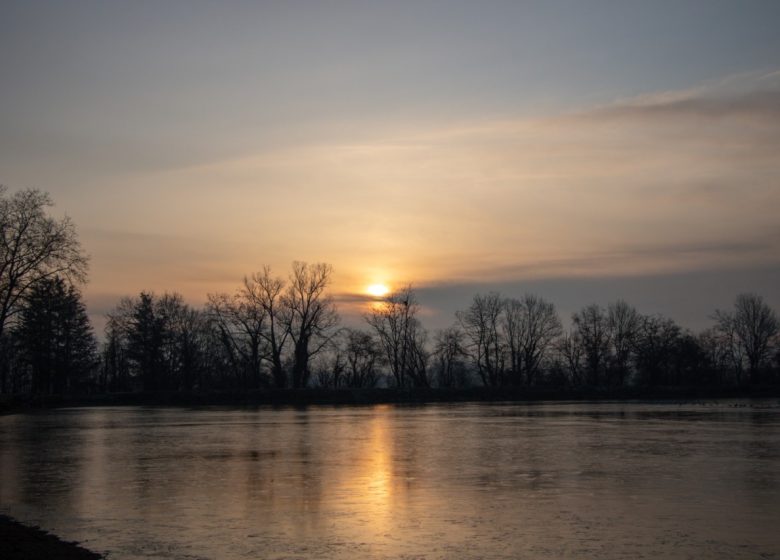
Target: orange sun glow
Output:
[{"x": 377, "y": 290}]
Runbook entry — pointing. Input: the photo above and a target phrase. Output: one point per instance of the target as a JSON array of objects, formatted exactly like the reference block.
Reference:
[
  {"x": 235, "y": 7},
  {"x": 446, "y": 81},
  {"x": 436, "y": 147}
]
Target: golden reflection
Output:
[
  {"x": 379, "y": 465},
  {"x": 376, "y": 492}
]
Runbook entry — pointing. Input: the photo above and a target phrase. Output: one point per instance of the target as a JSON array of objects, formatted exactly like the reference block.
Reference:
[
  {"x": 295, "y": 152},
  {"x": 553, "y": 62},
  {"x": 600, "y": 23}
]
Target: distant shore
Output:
[
  {"x": 22, "y": 542},
  {"x": 303, "y": 397}
]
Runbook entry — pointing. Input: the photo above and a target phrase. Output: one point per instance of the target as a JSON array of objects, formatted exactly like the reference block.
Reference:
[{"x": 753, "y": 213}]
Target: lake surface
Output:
[{"x": 488, "y": 481}]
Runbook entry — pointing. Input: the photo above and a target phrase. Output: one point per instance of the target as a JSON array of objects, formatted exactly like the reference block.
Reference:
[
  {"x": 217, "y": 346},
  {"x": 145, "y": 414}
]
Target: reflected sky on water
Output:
[{"x": 588, "y": 480}]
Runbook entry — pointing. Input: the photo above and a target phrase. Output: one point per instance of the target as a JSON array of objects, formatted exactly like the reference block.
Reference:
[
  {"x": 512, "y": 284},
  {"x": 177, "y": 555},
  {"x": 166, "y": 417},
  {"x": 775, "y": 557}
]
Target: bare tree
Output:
[
  {"x": 119, "y": 372},
  {"x": 623, "y": 323},
  {"x": 569, "y": 352},
  {"x": 241, "y": 325},
  {"x": 750, "y": 331},
  {"x": 185, "y": 341},
  {"x": 450, "y": 356},
  {"x": 311, "y": 315},
  {"x": 481, "y": 324},
  {"x": 33, "y": 247},
  {"x": 329, "y": 367},
  {"x": 530, "y": 327},
  {"x": 363, "y": 357},
  {"x": 265, "y": 291},
  {"x": 657, "y": 344},
  {"x": 420, "y": 356},
  {"x": 731, "y": 353},
  {"x": 717, "y": 355},
  {"x": 592, "y": 330},
  {"x": 401, "y": 336}
]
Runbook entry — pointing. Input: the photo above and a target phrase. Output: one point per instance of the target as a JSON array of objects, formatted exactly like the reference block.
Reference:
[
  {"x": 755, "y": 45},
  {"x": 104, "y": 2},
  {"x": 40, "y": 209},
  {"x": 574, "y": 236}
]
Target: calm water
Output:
[{"x": 446, "y": 481}]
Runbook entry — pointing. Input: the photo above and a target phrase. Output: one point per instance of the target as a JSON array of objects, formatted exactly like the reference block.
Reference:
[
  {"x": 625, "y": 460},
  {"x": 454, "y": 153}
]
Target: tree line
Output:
[{"x": 278, "y": 331}]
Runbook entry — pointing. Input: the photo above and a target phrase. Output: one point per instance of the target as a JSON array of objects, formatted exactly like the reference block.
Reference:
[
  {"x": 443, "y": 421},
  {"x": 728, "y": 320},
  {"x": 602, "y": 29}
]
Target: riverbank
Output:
[
  {"x": 304, "y": 397},
  {"x": 20, "y": 542}
]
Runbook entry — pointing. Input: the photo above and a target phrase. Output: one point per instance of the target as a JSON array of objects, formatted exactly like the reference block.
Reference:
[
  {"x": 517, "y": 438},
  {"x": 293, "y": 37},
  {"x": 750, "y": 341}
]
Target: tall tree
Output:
[
  {"x": 449, "y": 354},
  {"x": 266, "y": 291},
  {"x": 311, "y": 315},
  {"x": 482, "y": 324},
  {"x": 752, "y": 327},
  {"x": 56, "y": 338},
  {"x": 362, "y": 357},
  {"x": 657, "y": 345},
  {"x": 592, "y": 332},
  {"x": 568, "y": 356},
  {"x": 183, "y": 342},
  {"x": 400, "y": 336},
  {"x": 33, "y": 247},
  {"x": 241, "y": 323},
  {"x": 146, "y": 337},
  {"x": 530, "y": 326},
  {"x": 623, "y": 323},
  {"x": 115, "y": 373}
]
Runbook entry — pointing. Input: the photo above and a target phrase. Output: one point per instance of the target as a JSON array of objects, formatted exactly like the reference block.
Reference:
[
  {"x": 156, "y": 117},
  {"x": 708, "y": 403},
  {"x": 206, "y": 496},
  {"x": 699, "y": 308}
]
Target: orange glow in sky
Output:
[
  {"x": 475, "y": 155},
  {"x": 377, "y": 290}
]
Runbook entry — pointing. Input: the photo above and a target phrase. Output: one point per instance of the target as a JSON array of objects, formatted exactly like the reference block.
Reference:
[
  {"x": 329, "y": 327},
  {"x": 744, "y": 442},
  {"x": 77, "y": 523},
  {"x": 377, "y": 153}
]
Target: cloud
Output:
[
  {"x": 590, "y": 190},
  {"x": 689, "y": 297},
  {"x": 666, "y": 183},
  {"x": 761, "y": 105}
]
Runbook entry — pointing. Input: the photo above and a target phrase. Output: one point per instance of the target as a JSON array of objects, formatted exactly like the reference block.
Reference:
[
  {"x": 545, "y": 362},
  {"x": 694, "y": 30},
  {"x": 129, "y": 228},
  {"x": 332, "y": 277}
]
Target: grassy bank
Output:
[{"x": 20, "y": 542}]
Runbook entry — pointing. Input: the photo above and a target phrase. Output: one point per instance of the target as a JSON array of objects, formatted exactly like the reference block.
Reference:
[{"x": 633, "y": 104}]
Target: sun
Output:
[{"x": 377, "y": 290}]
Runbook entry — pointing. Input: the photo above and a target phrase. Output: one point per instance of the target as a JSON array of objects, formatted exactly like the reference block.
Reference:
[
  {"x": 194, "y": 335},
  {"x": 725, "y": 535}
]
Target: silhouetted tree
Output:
[
  {"x": 15, "y": 371},
  {"x": 55, "y": 337},
  {"x": 481, "y": 324},
  {"x": 750, "y": 329},
  {"x": 657, "y": 348},
  {"x": 362, "y": 359},
  {"x": 240, "y": 322},
  {"x": 266, "y": 291},
  {"x": 311, "y": 315},
  {"x": 716, "y": 356},
  {"x": 154, "y": 343},
  {"x": 530, "y": 326},
  {"x": 569, "y": 357},
  {"x": 146, "y": 329},
  {"x": 185, "y": 330},
  {"x": 330, "y": 366},
  {"x": 592, "y": 332},
  {"x": 115, "y": 372},
  {"x": 420, "y": 356},
  {"x": 33, "y": 247},
  {"x": 449, "y": 354},
  {"x": 692, "y": 367},
  {"x": 271, "y": 329},
  {"x": 400, "y": 335},
  {"x": 623, "y": 323},
  {"x": 730, "y": 350}
]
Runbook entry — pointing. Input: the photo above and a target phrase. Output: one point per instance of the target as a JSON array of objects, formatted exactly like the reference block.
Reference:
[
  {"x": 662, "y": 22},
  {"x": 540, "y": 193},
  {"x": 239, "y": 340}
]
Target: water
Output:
[{"x": 488, "y": 481}]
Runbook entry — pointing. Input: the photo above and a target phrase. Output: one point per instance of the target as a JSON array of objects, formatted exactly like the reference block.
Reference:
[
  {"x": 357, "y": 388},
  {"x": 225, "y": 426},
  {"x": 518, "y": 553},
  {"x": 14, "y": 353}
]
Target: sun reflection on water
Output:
[
  {"x": 379, "y": 477},
  {"x": 375, "y": 493}
]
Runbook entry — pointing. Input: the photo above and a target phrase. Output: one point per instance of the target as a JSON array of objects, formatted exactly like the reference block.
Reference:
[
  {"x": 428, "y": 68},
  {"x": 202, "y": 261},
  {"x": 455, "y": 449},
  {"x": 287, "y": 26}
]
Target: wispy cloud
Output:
[
  {"x": 667, "y": 182},
  {"x": 763, "y": 105}
]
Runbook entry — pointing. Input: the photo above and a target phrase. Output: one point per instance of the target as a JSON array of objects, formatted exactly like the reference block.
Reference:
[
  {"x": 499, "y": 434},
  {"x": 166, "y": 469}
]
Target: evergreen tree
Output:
[
  {"x": 55, "y": 338},
  {"x": 146, "y": 338}
]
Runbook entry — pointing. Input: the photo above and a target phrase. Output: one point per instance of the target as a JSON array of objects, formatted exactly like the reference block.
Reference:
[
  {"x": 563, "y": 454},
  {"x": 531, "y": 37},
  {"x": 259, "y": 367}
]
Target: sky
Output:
[{"x": 585, "y": 151}]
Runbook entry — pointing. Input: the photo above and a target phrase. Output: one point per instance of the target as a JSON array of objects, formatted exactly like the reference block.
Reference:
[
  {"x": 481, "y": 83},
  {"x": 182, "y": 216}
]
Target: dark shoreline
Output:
[
  {"x": 22, "y": 542},
  {"x": 304, "y": 397}
]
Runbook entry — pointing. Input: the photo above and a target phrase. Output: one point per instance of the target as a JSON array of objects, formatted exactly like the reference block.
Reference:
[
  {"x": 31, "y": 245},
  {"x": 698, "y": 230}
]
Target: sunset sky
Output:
[{"x": 581, "y": 150}]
